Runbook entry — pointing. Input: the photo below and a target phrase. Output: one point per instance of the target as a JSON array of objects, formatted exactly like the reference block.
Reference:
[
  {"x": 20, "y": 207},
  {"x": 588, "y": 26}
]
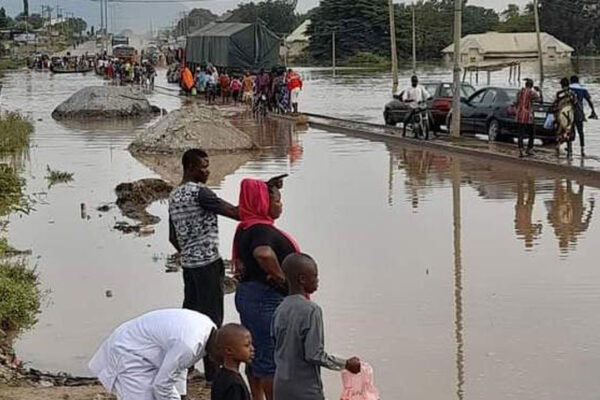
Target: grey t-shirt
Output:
[
  {"x": 299, "y": 350},
  {"x": 193, "y": 211}
]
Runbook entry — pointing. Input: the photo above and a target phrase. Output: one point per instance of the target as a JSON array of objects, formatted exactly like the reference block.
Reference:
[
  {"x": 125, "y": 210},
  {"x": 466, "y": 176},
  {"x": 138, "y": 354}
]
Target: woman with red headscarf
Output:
[{"x": 259, "y": 249}]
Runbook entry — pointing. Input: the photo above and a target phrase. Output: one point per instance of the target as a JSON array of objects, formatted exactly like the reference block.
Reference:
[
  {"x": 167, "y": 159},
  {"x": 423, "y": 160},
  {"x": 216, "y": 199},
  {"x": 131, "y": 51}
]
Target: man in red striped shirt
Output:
[{"x": 525, "y": 99}]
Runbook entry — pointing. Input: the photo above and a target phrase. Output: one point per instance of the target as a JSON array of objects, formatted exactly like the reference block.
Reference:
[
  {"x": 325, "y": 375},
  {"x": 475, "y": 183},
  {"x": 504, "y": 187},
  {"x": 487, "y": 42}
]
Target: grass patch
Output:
[
  {"x": 366, "y": 59},
  {"x": 15, "y": 131},
  {"x": 55, "y": 177},
  {"x": 11, "y": 192},
  {"x": 21, "y": 296}
]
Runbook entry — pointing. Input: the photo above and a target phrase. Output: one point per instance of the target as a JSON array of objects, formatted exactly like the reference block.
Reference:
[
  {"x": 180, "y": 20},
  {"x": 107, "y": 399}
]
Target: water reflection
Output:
[
  {"x": 524, "y": 227},
  {"x": 458, "y": 280},
  {"x": 568, "y": 214}
]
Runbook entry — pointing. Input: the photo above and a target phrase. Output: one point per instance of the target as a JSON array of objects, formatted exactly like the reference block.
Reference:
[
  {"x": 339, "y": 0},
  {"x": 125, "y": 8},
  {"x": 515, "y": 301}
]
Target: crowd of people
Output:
[
  {"x": 127, "y": 71},
  {"x": 277, "y": 90},
  {"x": 281, "y": 335},
  {"x": 567, "y": 117}
]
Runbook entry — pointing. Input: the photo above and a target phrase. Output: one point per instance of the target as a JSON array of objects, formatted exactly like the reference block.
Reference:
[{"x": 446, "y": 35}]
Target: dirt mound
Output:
[
  {"x": 134, "y": 197},
  {"x": 106, "y": 102},
  {"x": 194, "y": 125}
]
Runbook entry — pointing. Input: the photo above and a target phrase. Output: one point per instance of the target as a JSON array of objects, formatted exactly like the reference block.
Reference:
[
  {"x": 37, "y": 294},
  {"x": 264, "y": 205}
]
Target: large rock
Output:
[
  {"x": 194, "y": 125},
  {"x": 102, "y": 102}
]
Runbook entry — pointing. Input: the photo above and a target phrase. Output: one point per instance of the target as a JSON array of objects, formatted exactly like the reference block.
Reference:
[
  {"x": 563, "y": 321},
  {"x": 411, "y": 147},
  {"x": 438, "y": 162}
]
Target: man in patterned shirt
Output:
[{"x": 194, "y": 232}]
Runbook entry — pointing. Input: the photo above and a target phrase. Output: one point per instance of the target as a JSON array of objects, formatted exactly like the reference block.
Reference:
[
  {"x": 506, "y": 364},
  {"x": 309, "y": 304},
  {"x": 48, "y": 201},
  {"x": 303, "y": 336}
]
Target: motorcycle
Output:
[{"x": 420, "y": 122}]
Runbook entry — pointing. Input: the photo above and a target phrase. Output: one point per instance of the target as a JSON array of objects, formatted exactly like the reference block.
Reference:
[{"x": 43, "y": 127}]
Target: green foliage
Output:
[
  {"x": 5, "y": 20},
  {"x": 34, "y": 21},
  {"x": 515, "y": 20},
  {"x": 11, "y": 191},
  {"x": 576, "y": 22},
  {"x": 21, "y": 296},
  {"x": 360, "y": 26},
  {"x": 277, "y": 14},
  {"x": 366, "y": 59},
  {"x": 479, "y": 20},
  {"x": 55, "y": 177},
  {"x": 196, "y": 19},
  {"x": 15, "y": 131},
  {"x": 70, "y": 26}
]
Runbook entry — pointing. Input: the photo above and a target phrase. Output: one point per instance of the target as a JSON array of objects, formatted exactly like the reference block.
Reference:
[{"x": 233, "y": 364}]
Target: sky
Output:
[{"x": 140, "y": 16}]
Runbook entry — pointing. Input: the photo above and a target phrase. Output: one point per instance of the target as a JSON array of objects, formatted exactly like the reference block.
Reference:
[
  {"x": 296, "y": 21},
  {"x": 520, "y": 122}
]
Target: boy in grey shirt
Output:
[{"x": 299, "y": 337}]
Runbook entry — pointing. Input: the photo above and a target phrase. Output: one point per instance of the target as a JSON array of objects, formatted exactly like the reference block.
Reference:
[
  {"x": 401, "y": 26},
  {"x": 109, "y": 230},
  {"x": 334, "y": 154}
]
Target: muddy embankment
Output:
[{"x": 160, "y": 148}]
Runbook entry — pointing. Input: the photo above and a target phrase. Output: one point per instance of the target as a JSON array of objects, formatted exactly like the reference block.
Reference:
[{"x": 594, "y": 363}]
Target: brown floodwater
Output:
[{"x": 452, "y": 277}]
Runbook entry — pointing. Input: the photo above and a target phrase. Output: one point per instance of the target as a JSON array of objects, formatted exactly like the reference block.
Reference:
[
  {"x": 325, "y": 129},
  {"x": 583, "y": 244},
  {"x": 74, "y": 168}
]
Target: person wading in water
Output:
[
  {"x": 582, "y": 94},
  {"x": 194, "y": 232},
  {"x": 525, "y": 99}
]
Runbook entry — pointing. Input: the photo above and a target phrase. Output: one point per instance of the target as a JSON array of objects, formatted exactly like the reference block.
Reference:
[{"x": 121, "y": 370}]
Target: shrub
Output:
[
  {"x": 15, "y": 131},
  {"x": 21, "y": 296}
]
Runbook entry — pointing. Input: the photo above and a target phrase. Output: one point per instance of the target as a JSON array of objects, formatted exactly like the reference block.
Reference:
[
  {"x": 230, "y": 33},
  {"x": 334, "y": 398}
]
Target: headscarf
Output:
[{"x": 254, "y": 210}]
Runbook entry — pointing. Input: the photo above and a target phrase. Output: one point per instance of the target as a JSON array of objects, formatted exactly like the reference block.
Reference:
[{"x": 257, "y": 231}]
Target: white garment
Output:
[
  {"x": 147, "y": 357},
  {"x": 294, "y": 95},
  {"x": 415, "y": 95}
]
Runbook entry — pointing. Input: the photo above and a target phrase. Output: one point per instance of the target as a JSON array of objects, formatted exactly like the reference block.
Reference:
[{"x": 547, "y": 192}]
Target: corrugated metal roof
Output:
[
  {"x": 510, "y": 43},
  {"x": 221, "y": 29},
  {"x": 299, "y": 34}
]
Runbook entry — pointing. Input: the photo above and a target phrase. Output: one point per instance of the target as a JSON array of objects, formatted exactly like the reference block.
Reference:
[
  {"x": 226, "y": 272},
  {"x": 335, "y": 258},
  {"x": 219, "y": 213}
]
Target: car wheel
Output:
[{"x": 493, "y": 131}]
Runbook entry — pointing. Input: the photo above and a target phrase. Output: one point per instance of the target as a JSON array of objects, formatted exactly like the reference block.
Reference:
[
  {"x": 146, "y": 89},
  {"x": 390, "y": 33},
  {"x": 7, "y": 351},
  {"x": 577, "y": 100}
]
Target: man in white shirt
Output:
[
  {"x": 413, "y": 96},
  {"x": 147, "y": 358}
]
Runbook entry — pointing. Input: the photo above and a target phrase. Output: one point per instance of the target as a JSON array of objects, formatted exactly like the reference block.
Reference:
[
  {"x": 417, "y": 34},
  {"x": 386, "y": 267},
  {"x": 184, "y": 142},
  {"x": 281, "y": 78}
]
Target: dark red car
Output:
[{"x": 439, "y": 104}]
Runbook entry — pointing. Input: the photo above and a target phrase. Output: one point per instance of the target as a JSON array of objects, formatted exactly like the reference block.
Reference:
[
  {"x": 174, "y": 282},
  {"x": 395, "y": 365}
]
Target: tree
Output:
[
  {"x": 575, "y": 22},
  {"x": 516, "y": 21},
  {"x": 196, "y": 19},
  {"x": 26, "y": 8},
  {"x": 479, "y": 20},
  {"x": 512, "y": 11},
  {"x": 360, "y": 26},
  {"x": 5, "y": 20},
  {"x": 277, "y": 14},
  {"x": 34, "y": 21}
]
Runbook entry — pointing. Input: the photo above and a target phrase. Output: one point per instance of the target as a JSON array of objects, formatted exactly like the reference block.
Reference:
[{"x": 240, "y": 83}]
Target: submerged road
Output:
[{"x": 587, "y": 168}]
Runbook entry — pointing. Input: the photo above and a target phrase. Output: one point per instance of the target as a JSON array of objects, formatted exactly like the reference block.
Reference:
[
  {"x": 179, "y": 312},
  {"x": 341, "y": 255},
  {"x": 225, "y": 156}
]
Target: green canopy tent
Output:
[{"x": 234, "y": 45}]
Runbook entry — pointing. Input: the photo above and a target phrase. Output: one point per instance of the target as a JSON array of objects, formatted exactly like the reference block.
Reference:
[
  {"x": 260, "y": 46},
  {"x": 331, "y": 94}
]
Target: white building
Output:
[
  {"x": 297, "y": 41},
  {"x": 496, "y": 46}
]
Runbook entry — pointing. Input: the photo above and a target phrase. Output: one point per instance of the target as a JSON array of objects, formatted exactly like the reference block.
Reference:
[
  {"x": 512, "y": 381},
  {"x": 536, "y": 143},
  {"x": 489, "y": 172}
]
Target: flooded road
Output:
[{"x": 453, "y": 278}]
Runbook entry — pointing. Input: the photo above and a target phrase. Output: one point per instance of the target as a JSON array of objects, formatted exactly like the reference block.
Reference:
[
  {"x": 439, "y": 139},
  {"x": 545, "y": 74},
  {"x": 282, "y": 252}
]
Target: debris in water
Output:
[
  {"x": 126, "y": 227},
  {"x": 109, "y": 293},
  {"x": 104, "y": 208},
  {"x": 146, "y": 230},
  {"x": 134, "y": 197},
  {"x": 83, "y": 211},
  {"x": 54, "y": 176}
]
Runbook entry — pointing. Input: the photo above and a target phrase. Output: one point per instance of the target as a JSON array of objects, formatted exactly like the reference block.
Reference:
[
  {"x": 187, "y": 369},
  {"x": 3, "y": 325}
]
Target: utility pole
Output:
[
  {"x": 539, "y": 40},
  {"x": 414, "y": 40},
  {"x": 455, "y": 128},
  {"x": 101, "y": 16},
  {"x": 333, "y": 51},
  {"x": 393, "y": 47}
]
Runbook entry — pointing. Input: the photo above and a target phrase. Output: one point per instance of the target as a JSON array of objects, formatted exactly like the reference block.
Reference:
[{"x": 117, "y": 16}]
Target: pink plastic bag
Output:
[{"x": 360, "y": 386}]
